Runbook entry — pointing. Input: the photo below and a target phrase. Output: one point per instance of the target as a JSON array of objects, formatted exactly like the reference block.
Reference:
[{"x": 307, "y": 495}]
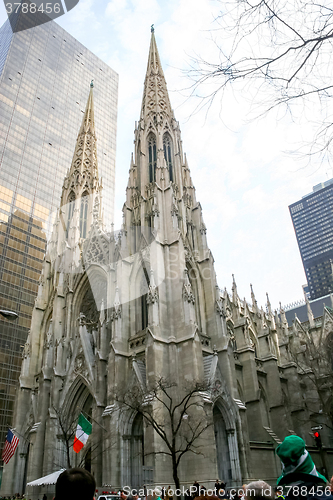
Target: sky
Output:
[{"x": 243, "y": 171}]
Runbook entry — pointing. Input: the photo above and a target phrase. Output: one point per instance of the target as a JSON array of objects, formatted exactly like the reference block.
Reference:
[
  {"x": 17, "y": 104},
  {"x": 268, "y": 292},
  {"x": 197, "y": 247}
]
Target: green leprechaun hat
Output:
[{"x": 296, "y": 459}]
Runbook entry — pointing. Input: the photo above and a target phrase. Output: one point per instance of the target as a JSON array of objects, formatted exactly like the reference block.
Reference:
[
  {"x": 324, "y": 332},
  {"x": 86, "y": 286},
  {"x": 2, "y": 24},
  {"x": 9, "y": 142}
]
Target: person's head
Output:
[
  {"x": 296, "y": 459},
  {"x": 123, "y": 495},
  {"x": 135, "y": 494},
  {"x": 75, "y": 483},
  {"x": 156, "y": 493},
  {"x": 258, "y": 490}
]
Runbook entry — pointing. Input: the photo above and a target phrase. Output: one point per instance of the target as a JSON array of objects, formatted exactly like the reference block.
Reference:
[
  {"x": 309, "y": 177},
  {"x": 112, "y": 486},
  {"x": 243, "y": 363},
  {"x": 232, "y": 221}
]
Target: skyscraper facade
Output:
[
  {"x": 312, "y": 218},
  {"x": 45, "y": 77}
]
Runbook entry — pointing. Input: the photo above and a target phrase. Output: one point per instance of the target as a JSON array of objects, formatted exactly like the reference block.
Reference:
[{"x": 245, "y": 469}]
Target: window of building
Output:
[
  {"x": 70, "y": 211},
  {"x": 84, "y": 215},
  {"x": 167, "y": 147},
  {"x": 152, "y": 157}
]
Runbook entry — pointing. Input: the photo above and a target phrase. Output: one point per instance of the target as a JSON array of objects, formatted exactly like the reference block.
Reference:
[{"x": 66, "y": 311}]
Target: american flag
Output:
[{"x": 10, "y": 446}]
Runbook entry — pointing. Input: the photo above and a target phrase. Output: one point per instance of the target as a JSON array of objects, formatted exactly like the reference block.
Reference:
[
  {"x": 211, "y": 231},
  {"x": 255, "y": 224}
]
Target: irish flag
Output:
[{"x": 83, "y": 431}]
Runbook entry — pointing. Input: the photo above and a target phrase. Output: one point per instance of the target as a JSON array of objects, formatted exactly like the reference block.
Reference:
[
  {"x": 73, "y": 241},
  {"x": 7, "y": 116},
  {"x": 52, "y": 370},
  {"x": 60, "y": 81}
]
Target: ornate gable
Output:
[{"x": 96, "y": 247}]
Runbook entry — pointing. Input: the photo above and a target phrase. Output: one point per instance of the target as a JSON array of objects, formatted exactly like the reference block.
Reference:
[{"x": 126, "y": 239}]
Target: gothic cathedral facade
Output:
[{"x": 120, "y": 309}]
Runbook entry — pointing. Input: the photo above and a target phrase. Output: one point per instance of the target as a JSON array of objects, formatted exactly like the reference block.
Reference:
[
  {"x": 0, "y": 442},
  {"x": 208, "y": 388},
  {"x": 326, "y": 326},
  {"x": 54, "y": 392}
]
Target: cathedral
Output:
[{"x": 120, "y": 310}]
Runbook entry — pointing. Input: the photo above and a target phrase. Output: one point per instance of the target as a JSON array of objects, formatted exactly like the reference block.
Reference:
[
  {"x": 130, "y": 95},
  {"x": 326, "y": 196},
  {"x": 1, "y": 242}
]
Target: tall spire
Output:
[
  {"x": 88, "y": 121},
  {"x": 83, "y": 174},
  {"x": 155, "y": 95}
]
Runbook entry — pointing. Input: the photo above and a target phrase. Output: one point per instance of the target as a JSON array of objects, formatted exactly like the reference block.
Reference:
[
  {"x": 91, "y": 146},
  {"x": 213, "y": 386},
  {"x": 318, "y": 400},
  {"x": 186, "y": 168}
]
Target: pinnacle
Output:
[
  {"x": 155, "y": 96},
  {"x": 88, "y": 121}
]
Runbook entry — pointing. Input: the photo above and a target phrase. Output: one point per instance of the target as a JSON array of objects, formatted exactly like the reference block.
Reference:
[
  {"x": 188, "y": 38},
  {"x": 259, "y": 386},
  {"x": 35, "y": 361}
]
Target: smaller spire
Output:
[
  {"x": 254, "y": 302},
  {"x": 235, "y": 298},
  {"x": 269, "y": 307},
  {"x": 309, "y": 312}
]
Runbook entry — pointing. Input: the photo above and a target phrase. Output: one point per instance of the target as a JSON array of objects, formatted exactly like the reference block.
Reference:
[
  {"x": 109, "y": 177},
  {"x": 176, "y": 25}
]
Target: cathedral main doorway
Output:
[{"x": 222, "y": 447}]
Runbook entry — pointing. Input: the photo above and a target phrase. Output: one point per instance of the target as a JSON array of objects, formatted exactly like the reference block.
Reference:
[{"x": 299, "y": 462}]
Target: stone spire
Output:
[
  {"x": 309, "y": 312},
  {"x": 82, "y": 185},
  {"x": 270, "y": 313},
  {"x": 254, "y": 301},
  {"x": 82, "y": 177},
  {"x": 234, "y": 291},
  {"x": 155, "y": 95}
]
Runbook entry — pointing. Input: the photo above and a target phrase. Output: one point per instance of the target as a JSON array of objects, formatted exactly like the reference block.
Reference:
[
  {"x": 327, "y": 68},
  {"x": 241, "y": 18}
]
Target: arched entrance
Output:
[
  {"x": 222, "y": 447},
  {"x": 137, "y": 452}
]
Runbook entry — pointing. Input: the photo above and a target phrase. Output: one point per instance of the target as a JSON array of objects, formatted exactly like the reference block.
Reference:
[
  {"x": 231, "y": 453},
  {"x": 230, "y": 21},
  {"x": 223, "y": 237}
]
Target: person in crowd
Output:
[
  {"x": 157, "y": 494},
  {"x": 75, "y": 483},
  {"x": 300, "y": 478},
  {"x": 258, "y": 490},
  {"x": 195, "y": 489},
  {"x": 134, "y": 496},
  {"x": 168, "y": 493},
  {"x": 187, "y": 494}
]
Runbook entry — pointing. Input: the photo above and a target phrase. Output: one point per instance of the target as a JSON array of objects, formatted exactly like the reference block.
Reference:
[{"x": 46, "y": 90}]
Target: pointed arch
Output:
[
  {"x": 152, "y": 157},
  {"x": 137, "y": 451},
  {"x": 194, "y": 278},
  {"x": 168, "y": 153},
  {"x": 225, "y": 417},
  {"x": 264, "y": 407},
  {"x": 254, "y": 342},
  {"x": 70, "y": 210},
  {"x": 142, "y": 316},
  {"x": 222, "y": 447},
  {"x": 84, "y": 214}
]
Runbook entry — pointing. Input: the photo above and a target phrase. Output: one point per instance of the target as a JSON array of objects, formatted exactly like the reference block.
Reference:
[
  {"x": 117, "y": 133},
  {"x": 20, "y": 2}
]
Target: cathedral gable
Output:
[{"x": 96, "y": 249}]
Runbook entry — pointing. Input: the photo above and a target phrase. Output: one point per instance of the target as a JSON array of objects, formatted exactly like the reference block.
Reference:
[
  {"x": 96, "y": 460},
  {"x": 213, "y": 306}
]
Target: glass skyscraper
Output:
[
  {"x": 45, "y": 77},
  {"x": 312, "y": 218}
]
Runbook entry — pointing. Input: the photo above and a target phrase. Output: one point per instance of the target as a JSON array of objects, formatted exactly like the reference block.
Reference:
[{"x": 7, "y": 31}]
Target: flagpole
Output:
[
  {"x": 14, "y": 431},
  {"x": 82, "y": 411}
]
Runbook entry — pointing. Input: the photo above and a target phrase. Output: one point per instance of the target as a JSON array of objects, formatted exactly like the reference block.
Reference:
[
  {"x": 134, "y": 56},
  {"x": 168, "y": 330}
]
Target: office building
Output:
[
  {"x": 312, "y": 218},
  {"x": 45, "y": 77}
]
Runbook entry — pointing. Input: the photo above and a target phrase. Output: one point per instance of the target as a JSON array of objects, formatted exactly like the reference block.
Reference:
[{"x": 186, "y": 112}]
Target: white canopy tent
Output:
[{"x": 49, "y": 479}]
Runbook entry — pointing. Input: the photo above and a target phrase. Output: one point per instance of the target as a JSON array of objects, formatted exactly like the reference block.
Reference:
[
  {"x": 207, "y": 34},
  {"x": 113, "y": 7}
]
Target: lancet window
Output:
[
  {"x": 70, "y": 211},
  {"x": 152, "y": 157},
  {"x": 84, "y": 215},
  {"x": 167, "y": 147}
]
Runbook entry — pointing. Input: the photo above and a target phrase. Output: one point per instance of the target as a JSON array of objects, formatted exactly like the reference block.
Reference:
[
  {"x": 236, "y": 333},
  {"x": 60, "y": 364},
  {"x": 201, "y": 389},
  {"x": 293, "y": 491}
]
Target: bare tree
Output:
[
  {"x": 282, "y": 50},
  {"x": 68, "y": 428},
  {"x": 313, "y": 356},
  {"x": 68, "y": 425},
  {"x": 177, "y": 415}
]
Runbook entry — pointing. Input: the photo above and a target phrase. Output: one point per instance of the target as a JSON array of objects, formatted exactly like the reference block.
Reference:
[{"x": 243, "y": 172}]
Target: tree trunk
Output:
[
  {"x": 175, "y": 474},
  {"x": 68, "y": 455}
]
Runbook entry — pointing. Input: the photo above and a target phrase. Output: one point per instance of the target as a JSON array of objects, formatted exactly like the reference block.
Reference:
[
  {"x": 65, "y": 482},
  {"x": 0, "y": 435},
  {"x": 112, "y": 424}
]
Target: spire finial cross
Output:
[
  {"x": 92, "y": 84},
  {"x": 152, "y": 29}
]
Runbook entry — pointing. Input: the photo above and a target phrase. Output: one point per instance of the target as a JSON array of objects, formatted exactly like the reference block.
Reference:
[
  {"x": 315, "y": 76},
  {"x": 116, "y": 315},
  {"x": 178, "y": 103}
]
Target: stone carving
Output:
[
  {"x": 152, "y": 295},
  {"x": 187, "y": 289},
  {"x": 220, "y": 307},
  {"x": 26, "y": 350}
]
